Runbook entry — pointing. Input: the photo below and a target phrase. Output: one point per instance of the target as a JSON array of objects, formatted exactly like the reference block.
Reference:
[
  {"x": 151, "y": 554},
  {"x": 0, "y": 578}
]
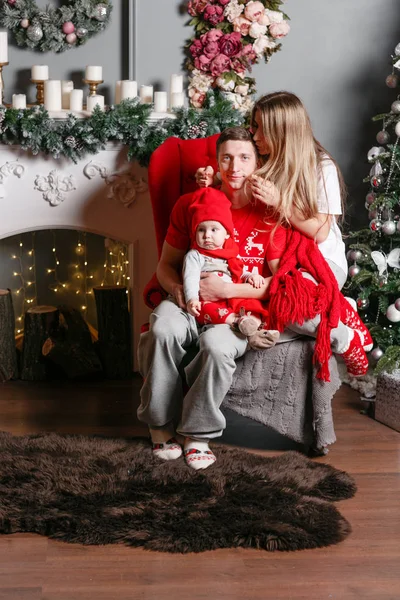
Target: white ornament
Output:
[
  {"x": 376, "y": 354},
  {"x": 396, "y": 107},
  {"x": 382, "y": 261},
  {"x": 393, "y": 314},
  {"x": 376, "y": 169},
  {"x": 374, "y": 152},
  {"x": 54, "y": 186},
  {"x": 397, "y": 50},
  {"x": 397, "y": 129},
  {"x": 389, "y": 227}
]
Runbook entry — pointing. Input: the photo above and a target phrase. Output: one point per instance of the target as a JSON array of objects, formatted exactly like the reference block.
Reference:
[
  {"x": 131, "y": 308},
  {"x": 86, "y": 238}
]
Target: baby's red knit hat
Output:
[{"x": 210, "y": 204}]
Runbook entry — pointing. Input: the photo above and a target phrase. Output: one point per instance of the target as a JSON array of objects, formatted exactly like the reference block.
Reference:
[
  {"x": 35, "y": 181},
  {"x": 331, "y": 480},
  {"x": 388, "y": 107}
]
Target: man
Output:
[{"x": 173, "y": 330}]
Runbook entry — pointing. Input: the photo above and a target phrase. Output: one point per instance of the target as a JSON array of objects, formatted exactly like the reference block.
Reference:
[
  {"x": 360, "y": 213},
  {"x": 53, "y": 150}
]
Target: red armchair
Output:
[{"x": 276, "y": 387}]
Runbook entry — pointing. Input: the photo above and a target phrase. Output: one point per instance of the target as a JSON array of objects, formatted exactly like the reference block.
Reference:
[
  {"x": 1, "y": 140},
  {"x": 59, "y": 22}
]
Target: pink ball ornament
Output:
[
  {"x": 397, "y": 304},
  {"x": 392, "y": 81},
  {"x": 11, "y": 2},
  {"x": 25, "y": 23},
  {"x": 71, "y": 38},
  {"x": 68, "y": 27}
]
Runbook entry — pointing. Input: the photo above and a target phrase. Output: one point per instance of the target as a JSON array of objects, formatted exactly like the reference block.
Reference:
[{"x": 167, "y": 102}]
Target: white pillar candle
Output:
[
  {"x": 94, "y": 73},
  {"x": 66, "y": 89},
  {"x": 160, "y": 102},
  {"x": 76, "y": 100},
  {"x": 40, "y": 73},
  {"x": 93, "y": 101},
  {"x": 177, "y": 100},
  {"x": 176, "y": 84},
  {"x": 128, "y": 89},
  {"x": 18, "y": 101},
  {"x": 146, "y": 94},
  {"x": 3, "y": 47},
  {"x": 52, "y": 94}
]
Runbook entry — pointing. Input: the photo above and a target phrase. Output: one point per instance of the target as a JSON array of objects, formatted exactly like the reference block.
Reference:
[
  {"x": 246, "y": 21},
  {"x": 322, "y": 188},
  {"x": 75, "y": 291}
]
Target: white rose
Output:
[
  {"x": 233, "y": 10},
  {"x": 242, "y": 89},
  {"x": 256, "y": 30},
  {"x": 227, "y": 86},
  {"x": 274, "y": 16},
  {"x": 246, "y": 105},
  {"x": 200, "y": 81},
  {"x": 261, "y": 44},
  {"x": 235, "y": 99}
]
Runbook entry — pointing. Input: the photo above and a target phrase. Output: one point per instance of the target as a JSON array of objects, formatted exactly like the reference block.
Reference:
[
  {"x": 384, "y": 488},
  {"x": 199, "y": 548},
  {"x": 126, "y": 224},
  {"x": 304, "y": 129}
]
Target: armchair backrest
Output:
[{"x": 172, "y": 170}]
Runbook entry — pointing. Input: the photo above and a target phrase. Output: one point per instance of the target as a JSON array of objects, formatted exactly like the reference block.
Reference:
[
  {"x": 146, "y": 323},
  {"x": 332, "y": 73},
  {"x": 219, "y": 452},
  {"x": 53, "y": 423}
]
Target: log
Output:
[
  {"x": 8, "y": 352},
  {"x": 113, "y": 324},
  {"x": 41, "y": 322},
  {"x": 71, "y": 347}
]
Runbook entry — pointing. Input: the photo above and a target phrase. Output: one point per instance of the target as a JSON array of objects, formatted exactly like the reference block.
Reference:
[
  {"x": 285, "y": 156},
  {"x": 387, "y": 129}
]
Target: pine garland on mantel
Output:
[{"x": 128, "y": 123}]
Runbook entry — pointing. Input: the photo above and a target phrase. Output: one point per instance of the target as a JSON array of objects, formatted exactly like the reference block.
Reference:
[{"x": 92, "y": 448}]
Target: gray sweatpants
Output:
[
  {"x": 161, "y": 351},
  {"x": 209, "y": 375}
]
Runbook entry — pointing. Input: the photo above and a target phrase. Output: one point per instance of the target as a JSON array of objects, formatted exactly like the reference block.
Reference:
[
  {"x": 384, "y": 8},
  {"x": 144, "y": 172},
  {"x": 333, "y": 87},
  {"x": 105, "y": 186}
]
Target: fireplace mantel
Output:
[{"x": 103, "y": 194}]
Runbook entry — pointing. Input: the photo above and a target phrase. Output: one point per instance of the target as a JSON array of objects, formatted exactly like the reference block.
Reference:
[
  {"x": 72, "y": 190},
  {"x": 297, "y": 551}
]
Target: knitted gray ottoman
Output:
[{"x": 387, "y": 402}]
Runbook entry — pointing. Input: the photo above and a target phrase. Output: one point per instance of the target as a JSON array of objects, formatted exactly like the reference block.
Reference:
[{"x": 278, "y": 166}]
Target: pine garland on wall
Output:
[{"x": 127, "y": 123}]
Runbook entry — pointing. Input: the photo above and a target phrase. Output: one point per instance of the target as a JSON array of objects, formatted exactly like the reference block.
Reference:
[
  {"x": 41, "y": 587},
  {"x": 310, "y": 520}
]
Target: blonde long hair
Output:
[{"x": 295, "y": 159}]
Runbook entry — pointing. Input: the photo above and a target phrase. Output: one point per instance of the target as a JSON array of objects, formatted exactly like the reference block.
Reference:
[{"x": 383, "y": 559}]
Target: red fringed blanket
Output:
[{"x": 294, "y": 299}]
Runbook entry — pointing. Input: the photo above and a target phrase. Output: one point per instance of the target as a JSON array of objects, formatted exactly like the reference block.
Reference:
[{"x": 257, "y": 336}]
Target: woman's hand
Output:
[
  {"x": 212, "y": 288},
  {"x": 205, "y": 176},
  {"x": 264, "y": 191},
  {"x": 193, "y": 307}
]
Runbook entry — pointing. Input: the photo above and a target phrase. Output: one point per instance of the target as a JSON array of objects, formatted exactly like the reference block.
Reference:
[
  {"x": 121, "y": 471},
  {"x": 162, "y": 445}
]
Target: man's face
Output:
[{"x": 237, "y": 160}]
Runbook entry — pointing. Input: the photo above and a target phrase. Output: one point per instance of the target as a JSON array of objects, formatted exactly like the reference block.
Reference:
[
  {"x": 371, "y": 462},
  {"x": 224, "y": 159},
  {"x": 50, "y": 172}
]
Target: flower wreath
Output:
[
  {"x": 54, "y": 29},
  {"x": 231, "y": 36}
]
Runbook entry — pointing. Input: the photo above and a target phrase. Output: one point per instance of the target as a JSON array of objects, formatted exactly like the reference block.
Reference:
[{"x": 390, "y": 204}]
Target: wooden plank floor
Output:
[{"x": 365, "y": 566}]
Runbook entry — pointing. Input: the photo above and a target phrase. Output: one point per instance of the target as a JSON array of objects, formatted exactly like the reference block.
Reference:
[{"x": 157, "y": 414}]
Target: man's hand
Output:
[
  {"x": 193, "y": 307},
  {"x": 204, "y": 176},
  {"x": 264, "y": 191},
  {"x": 256, "y": 280},
  {"x": 212, "y": 288},
  {"x": 177, "y": 293}
]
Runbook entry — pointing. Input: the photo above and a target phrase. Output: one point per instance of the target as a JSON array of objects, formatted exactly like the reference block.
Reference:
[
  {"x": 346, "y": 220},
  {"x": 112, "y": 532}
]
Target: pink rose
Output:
[
  {"x": 241, "y": 25},
  {"x": 254, "y": 10},
  {"x": 237, "y": 65},
  {"x": 196, "y": 7},
  {"x": 231, "y": 44},
  {"x": 220, "y": 64},
  {"x": 279, "y": 30},
  {"x": 202, "y": 63},
  {"x": 248, "y": 56},
  {"x": 223, "y": 2},
  {"x": 264, "y": 19},
  {"x": 196, "y": 48},
  {"x": 196, "y": 98},
  {"x": 214, "y": 14},
  {"x": 213, "y": 35},
  {"x": 211, "y": 50}
]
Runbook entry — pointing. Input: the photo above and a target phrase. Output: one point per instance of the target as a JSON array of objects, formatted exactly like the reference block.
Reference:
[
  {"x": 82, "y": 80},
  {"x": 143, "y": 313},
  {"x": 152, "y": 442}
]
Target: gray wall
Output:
[{"x": 335, "y": 58}]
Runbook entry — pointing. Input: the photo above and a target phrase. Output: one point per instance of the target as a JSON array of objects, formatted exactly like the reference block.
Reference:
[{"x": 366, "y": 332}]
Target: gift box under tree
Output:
[{"x": 387, "y": 403}]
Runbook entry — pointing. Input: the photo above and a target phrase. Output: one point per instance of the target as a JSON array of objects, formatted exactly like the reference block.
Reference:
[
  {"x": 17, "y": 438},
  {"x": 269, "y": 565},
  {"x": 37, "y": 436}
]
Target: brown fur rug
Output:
[{"x": 93, "y": 490}]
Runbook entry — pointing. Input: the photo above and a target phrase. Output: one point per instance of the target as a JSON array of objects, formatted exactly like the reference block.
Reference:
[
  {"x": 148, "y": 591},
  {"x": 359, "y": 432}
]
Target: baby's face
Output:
[{"x": 211, "y": 235}]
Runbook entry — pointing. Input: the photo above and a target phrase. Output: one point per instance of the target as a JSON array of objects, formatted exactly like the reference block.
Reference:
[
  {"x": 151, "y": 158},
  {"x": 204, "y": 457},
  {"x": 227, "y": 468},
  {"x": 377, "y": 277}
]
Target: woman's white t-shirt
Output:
[{"x": 329, "y": 202}]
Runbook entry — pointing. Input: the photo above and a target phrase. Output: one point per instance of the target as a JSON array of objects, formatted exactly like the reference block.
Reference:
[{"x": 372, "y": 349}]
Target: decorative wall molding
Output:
[
  {"x": 9, "y": 168},
  {"x": 124, "y": 187},
  {"x": 94, "y": 168},
  {"x": 54, "y": 186}
]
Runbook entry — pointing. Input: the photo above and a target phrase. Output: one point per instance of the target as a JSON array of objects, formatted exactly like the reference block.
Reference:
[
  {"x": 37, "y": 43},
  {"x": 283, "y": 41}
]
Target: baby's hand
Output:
[
  {"x": 256, "y": 280},
  {"x": 193, "y": 307},
  {"x": 264, "y": 191},
  {"x": 205, "y": 176}
]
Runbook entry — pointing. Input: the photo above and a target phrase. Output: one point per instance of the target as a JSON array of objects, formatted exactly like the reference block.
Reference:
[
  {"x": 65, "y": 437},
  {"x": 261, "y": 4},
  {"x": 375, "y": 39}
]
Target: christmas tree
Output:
[{"x": 374, "y": 253}]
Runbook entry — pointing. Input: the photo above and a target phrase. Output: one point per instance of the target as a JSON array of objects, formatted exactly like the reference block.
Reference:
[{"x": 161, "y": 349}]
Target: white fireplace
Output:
[{"x": 103, "y": 194}]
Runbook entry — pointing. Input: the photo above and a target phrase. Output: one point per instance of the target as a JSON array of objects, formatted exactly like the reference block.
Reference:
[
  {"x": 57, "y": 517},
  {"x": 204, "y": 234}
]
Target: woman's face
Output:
[{"x": 262, "y": 144}]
